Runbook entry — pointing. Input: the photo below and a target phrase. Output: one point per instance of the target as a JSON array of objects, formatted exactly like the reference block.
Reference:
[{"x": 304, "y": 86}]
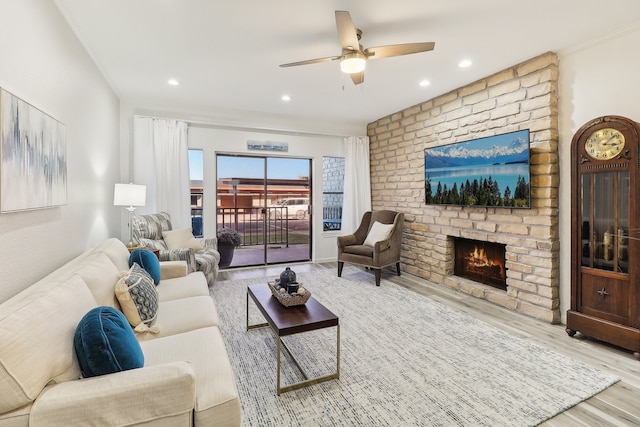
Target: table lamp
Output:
[{"x": 131, "y": 196}]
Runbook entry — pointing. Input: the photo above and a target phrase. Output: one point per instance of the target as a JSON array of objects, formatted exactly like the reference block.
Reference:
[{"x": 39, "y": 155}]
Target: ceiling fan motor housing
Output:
[{"x": 353, "y": 62}]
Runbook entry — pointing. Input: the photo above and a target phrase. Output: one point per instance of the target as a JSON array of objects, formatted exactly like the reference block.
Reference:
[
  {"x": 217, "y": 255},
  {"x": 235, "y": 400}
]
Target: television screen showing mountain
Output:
[{"x": 491, "y": 171}]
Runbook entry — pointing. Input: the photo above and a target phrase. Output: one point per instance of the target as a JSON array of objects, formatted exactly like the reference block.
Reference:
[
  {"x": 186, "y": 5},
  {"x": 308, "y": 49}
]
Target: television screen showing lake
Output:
[{"x": 491, "y": 171}]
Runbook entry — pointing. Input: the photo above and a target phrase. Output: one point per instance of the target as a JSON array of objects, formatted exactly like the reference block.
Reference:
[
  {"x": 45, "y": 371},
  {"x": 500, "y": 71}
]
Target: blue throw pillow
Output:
[
  {"x": 105, "y": 343},
  {"x": 147, "y": 260}
]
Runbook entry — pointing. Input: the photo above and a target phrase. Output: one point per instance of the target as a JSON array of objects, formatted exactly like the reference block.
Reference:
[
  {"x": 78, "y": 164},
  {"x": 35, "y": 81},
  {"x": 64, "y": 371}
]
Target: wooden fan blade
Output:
[
  {"x": 311, "y": 61},
  {"x": 398, "y": 49},
  {"x": 357, "y": 78},
  {"x": 347, "y": 31}
]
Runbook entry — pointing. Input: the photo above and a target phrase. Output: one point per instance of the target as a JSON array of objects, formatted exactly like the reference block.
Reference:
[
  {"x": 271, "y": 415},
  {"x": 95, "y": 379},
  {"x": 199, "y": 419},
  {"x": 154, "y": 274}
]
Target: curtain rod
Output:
[{"x": 227, "y": 126}]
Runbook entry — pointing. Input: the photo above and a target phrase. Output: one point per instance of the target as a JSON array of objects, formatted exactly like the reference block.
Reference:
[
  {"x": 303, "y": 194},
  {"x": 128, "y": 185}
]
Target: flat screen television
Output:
[{"x": 489, "y": 172}]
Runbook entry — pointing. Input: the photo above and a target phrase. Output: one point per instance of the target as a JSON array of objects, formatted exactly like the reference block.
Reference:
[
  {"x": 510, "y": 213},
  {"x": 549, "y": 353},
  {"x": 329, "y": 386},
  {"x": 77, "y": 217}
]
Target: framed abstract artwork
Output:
[{"x": 33, "y": 157}]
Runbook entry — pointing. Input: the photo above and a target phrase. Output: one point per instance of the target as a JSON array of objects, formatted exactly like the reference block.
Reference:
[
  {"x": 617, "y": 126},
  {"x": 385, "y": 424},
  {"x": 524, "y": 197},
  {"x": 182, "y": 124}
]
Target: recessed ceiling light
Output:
[
  {"x": 286, "y": 98},
  {"x": 464, "y": 63},
  {"x": 425, "y": 83},
  {"x": 173, "y": 82}
]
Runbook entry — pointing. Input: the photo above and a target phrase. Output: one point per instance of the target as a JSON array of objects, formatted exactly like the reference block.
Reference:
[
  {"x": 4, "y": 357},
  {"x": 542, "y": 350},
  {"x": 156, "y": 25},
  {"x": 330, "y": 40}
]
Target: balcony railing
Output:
[
  {"x": 249, "y": 222},
  {"x": 331, "y": 218}
]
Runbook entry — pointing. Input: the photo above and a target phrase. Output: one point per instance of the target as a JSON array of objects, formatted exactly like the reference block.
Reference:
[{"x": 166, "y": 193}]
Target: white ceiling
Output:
[{"x": 226, "y": 53}]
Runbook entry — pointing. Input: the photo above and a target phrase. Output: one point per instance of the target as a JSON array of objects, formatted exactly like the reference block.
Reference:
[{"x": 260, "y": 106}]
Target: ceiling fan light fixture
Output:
[{"x": 353, "y": 63}]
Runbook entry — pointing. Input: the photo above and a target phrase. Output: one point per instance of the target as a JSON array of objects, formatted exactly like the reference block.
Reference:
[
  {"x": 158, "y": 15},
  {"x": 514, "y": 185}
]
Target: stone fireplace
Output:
[
  {"x": 523, "y": 96},
  {"x": 481, "y": 261}
]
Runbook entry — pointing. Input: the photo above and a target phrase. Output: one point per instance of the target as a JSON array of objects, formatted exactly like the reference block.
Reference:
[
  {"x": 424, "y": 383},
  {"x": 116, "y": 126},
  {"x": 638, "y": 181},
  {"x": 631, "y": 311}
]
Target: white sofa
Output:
[{"x": 186, "y": 379}]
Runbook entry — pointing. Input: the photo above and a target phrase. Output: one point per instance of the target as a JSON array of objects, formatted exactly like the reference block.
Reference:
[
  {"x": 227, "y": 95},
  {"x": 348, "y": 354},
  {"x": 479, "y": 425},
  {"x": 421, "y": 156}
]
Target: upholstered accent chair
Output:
[
  {"x": 375, "y": 244},
  {"x": 200, "y": 254}
]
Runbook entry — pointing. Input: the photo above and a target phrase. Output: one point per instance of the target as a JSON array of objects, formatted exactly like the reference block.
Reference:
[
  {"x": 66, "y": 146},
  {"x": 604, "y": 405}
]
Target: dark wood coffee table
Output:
[{"x": 286, "y": 321}]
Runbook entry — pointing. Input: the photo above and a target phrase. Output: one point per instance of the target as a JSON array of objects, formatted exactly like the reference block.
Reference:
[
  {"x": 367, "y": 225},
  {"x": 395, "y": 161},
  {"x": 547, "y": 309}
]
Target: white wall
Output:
[
  {"x": 42, "y": 62},
  {"x": 600, "y": 79},
  {"x": 213, "y": 141},
  {"x": 229, "y": 134}
]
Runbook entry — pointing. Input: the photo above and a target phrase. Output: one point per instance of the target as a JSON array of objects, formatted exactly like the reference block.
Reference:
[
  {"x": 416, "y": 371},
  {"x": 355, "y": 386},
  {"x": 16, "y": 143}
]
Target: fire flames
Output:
[
  {"x": 478, "y": 260},
  {"x": 483, "y": 262}
]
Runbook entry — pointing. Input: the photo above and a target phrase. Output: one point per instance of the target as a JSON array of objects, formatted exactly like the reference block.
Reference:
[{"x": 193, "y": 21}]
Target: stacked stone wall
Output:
[{"x": 524, "y": 96}]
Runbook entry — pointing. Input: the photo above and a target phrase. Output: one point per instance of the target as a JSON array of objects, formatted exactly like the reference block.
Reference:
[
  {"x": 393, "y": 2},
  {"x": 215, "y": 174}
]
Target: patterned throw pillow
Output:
[{"x": 138, "y": 299}]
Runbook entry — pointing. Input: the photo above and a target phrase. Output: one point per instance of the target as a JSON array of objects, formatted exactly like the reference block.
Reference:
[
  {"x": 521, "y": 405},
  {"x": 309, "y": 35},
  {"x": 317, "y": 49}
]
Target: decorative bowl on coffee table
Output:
[{"x": 287, "y": 299}]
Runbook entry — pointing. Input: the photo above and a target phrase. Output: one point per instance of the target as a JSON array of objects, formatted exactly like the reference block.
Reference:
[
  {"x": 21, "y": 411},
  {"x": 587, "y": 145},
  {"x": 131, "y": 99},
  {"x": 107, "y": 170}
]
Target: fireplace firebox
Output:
[{"x": 481, "y": 261}]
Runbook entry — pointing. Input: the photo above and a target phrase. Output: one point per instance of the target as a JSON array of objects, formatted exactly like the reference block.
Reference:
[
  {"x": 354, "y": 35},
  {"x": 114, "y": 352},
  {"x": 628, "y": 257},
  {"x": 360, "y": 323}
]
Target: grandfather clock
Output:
[{"x": 605, "y": 229}]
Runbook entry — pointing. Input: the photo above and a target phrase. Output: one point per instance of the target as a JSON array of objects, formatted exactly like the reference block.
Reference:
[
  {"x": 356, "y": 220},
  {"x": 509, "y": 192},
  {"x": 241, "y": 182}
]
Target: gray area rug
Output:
[{"x": 405, "y": 360}]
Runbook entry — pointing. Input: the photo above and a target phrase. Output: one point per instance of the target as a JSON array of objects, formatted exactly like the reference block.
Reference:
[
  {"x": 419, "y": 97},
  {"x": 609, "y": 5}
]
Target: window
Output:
[
  {"x": 196, "y": 162},
  {"x": 332, "y": 192}
]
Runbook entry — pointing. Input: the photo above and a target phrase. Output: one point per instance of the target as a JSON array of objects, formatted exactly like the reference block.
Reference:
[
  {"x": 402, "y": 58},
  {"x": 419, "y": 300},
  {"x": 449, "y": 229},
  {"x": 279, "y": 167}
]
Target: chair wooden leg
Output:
[
  {"x": 340, "y": 265},
  {"x": 377, "y": 272},
  {"x": 398, "y": 267}
]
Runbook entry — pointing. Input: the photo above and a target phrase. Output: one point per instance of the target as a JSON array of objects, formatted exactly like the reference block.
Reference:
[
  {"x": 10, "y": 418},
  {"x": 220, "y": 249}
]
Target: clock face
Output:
[{"x": 604, "y": 144}]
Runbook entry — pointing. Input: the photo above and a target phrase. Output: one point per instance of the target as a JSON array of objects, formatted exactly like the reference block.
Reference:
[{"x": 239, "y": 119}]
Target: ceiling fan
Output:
[{"x": 353, "y": 57}]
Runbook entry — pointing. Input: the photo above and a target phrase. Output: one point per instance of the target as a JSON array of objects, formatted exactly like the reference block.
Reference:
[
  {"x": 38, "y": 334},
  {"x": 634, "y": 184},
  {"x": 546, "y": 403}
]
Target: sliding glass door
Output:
[{"x": 267, "y": 201}]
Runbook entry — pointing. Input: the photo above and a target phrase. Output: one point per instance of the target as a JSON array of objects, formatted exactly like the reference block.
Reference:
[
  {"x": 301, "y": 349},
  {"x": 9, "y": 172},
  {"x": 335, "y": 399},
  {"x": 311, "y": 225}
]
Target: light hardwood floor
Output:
[{"x": 619, "y": 405}]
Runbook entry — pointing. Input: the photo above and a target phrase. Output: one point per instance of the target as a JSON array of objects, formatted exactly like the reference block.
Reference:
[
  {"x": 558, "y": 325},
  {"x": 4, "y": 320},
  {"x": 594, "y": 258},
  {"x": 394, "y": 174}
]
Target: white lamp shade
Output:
[
  {"x": 129, "y": 195},
  {"x": 353, "y": 63}
]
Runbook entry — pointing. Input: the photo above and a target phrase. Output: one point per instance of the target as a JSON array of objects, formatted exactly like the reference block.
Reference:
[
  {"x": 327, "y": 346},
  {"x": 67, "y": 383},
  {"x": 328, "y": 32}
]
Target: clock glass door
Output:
[
  {"x": 605, "y": 254},
  {"x": 605, "y": 221}
]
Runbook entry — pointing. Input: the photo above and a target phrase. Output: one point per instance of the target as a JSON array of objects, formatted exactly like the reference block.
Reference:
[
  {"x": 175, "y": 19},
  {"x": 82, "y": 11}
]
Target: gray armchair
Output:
[
  {"x": 147, "y": 231},
  {"x": 352, "y": 248}
]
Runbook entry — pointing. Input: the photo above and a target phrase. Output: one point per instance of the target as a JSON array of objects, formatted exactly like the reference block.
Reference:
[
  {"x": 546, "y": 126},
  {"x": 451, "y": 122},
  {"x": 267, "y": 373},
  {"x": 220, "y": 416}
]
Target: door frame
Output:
[{"x": 263, "y": 206}]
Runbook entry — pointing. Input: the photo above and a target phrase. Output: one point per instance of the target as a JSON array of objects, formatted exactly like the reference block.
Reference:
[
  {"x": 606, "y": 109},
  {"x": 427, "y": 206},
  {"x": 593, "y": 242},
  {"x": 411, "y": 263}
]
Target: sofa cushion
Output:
[
  {"x": 191, "y": 285},
  {"x": 147, "y": 260},
  {"x": 104, "y": 343},
  {"x": 100, "y": 274},
  {"x": 116, "y": 251},
  {"x": 19, "y": 417},
  {"x": 361, "y": 250},
  {"x": 138, "y": 298},
  {"x": 378, "y": 233},
  {"x": 153, "y": 396},
  {"x": 65, "y": 271},
  {"x": 184, "y": 315},
  {"x": 217, "y": 400},
  {"x": 181, "y": 238},
  {"x": 36, "y": 332}
]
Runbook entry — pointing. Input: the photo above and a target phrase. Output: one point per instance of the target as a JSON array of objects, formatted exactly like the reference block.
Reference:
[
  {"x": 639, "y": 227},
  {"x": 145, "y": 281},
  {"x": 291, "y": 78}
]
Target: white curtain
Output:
[
  {"x": 161, "y": 162},
  {"x": 357, "y": 182}
]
